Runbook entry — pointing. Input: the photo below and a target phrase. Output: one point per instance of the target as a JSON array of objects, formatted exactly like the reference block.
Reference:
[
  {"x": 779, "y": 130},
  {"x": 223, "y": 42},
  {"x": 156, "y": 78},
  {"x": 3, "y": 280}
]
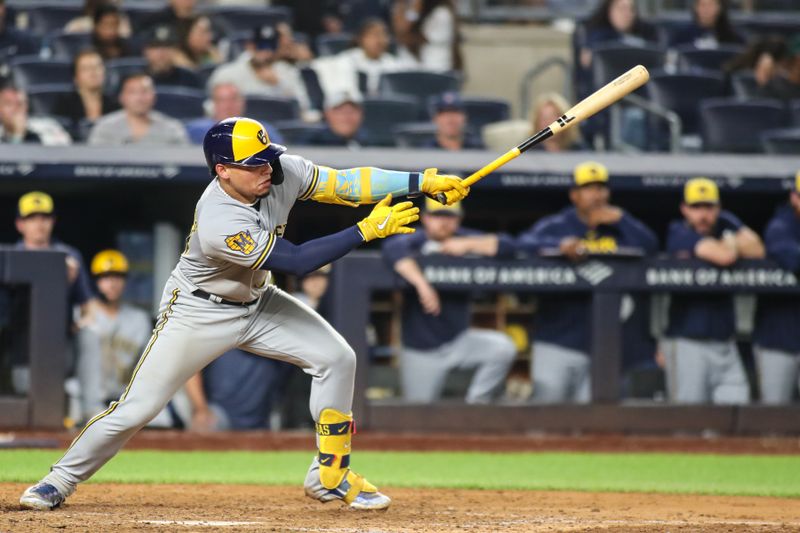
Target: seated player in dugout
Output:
[
  {"x": 702, "y": 363},
  {"x": 219, "y": 297},
  {"x": 560, "y": 367},
  {"x": 436, "y": 333},
  {"x": 776, "y": 343},
  {"x": 111, "y": 341},
  {"x": 36, "y": 219}
]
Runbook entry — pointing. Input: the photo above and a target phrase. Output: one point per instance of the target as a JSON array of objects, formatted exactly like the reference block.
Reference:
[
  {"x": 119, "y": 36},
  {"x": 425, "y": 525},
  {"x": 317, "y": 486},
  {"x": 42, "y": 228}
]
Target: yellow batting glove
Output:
[
  {"x": 387, "y": 219},
  {"x": 433, "y": 184}
]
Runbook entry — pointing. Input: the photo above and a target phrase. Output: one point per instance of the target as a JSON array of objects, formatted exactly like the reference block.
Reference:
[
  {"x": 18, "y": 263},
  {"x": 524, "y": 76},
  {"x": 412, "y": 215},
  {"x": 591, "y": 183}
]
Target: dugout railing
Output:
[{"x": 358, "y": 275}]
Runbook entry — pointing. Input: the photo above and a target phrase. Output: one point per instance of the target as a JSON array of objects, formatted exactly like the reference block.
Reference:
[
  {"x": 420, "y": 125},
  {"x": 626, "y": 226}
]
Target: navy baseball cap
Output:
[
  {"x": 161, "y": 36},
  {"x": 450, "y": 101},
  {"x": 265, "y": 38}
]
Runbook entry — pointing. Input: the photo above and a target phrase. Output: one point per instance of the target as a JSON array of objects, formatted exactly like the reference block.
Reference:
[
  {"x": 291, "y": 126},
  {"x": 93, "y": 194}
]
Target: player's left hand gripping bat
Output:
[{"x": 597, "y": 101}]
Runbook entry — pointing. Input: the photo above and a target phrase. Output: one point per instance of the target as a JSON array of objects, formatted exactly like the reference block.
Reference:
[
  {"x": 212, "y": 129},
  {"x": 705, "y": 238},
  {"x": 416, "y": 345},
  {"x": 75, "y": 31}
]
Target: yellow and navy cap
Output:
[
  {"x": 700, "y": 191},
  {"x": 35, "y": 203},
  {"x": 109, "y": 262},
  {"x": 590, "y": 172},
  {"x": 432, "y": 207},
  {"x": 797, "y": 182},
  {"x": 240, "y": 141}
]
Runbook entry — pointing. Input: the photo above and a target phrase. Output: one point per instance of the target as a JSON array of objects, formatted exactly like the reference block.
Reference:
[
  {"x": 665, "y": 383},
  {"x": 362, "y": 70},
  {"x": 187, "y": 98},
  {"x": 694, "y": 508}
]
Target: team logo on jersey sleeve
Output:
[{"x": 241, "y": 242}]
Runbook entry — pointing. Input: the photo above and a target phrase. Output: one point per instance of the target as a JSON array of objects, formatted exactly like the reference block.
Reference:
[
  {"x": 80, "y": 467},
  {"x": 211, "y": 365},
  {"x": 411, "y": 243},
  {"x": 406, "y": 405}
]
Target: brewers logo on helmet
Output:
[
  {"x": 109, "y": 262},
  {"x": 244, "y": 142}
]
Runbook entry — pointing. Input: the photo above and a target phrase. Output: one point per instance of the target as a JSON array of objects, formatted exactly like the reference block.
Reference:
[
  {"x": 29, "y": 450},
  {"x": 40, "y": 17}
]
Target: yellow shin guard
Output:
[{"x": 335, "y": 430}]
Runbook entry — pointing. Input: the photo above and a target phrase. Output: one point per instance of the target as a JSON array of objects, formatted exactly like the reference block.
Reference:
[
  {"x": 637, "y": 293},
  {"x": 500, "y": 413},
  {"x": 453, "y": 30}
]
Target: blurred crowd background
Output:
[{"x": 392, "y": 74}]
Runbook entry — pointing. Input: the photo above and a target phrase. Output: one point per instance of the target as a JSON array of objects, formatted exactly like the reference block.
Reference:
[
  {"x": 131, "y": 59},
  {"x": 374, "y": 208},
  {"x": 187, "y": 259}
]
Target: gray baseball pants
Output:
[
  {"x": 560, "y": 375},
  {"x": 778, "y": 374},
  {"x": 190, "y": 333},
  {"x": 705, "y": 371},
  {"x": 423, "y": 372}
]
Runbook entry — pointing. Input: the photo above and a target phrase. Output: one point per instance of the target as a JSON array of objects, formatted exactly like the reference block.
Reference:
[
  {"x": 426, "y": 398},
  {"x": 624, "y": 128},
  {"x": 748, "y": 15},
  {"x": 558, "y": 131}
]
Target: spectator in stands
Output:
[
  {"x": 702, "y": 361},
  {"x": 290, "y": 49},
  {"x": 451, "y": 125},
  {"x": 85, "y": 22},
  {"x": 197, "y": 47},
  {"x": 13, "y": 41},
  {"x": 429, "y": 34},
  {"x": 614, "y": 21},
  {"x": 87, "y": 102},
  {"x": 775, "y": 339},
  {"x": 371, "y": 57},
  {"x": 710, "y": 26},
  {"x": 591, "y": 226},
  {"x": 111, "y": 342},
  {"x": 137, "y": 122},
  {"x": 159, "y": 51},
  {"x": 343, "y": 118},
  {"x": 107, "y": 36},
  {"x": 257, "y": 72},
  {"x": 178, "y": 15},
  {"x": 35, "y": 222},
  {"x": 547, "y": 108},
  {"x": 437, "y": 337},
  {"x": 226, "y": 101},
  {"x": 314, "y": 17},
  {"x": 16, "y": 126},
  {"x": 778, "y": 76}
]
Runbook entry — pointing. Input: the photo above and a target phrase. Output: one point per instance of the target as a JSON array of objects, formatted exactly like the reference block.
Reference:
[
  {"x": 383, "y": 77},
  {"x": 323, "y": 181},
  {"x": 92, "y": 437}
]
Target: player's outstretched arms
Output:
[{"x": 300, "y": 259}]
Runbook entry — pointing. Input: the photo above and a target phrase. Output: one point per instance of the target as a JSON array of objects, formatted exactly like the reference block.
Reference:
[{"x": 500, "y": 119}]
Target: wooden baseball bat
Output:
[{"x": 600, "y": 99}]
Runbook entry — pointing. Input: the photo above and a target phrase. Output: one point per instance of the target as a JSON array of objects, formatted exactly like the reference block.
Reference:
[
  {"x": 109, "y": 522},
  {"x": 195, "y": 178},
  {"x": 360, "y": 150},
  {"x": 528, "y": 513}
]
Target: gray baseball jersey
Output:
[{"x": 229, "y": 240}]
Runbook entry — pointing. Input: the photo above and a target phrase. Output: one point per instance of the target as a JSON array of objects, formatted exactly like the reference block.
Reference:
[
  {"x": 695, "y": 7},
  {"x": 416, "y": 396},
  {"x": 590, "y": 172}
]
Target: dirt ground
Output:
[{"x": 122, "y": 508}]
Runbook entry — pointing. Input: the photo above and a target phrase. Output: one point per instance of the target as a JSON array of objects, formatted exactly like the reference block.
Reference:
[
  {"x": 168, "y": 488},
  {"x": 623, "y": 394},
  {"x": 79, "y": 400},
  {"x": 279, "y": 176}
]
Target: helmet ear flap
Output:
[{"x": 277, "y": 172}]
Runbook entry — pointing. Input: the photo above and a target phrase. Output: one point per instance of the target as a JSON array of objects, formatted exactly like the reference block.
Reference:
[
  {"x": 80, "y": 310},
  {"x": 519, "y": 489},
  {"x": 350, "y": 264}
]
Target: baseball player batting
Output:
[{"x": 219, "y": 297}]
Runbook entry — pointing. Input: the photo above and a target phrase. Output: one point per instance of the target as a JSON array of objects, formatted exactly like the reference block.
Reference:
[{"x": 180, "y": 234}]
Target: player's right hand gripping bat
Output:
[{"x": 597, "y": 101}]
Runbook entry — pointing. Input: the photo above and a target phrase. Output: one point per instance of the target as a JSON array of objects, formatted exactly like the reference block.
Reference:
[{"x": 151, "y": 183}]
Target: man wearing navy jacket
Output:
[
  {"x": 776, "y": 340},
  {"x": 703, "y": 363},
  {"x": 561, "y": 364},
  {"x": 437, "y": 337}
]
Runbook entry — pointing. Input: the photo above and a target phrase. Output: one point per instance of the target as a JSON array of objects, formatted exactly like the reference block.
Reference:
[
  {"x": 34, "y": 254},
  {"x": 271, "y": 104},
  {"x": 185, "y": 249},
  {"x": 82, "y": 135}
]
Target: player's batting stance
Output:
[{"x": 219, "y": 297}]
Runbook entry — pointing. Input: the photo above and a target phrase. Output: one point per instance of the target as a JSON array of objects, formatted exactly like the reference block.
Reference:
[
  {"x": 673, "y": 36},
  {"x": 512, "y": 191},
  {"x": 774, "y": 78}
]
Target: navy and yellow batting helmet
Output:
[
  {"x": 241, "y": 141},
  {"x": 109, "y": 262}
]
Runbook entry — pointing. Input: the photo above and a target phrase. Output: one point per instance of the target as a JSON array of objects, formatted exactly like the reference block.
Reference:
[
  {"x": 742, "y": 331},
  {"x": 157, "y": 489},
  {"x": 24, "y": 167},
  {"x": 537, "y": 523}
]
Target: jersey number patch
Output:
[{"x": 241, "y": 242}]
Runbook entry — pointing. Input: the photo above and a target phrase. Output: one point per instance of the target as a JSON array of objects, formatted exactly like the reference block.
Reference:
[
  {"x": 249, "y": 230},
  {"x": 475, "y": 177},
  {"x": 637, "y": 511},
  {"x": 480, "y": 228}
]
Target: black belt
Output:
[{"x": 200, "y": 293}]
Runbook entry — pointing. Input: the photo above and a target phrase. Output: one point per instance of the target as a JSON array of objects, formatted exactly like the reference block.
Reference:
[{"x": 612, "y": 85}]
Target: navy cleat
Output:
[{"x": 41, "y": 497}]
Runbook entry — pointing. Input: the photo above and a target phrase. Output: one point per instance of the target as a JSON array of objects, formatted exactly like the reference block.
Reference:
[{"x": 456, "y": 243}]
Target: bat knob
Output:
[{"x": 441, "y": 198}]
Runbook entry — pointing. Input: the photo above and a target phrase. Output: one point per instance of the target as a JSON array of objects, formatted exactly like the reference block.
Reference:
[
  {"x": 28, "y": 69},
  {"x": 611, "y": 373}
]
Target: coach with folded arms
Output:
[
  {"x": 702, "y": 361},
  {"x": 560, "y": 365}
]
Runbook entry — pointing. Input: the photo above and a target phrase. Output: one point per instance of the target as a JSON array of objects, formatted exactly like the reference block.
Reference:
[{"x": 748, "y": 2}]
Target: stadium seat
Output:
[
  {"x": 682, "y": 93},
  {"x": 728, "y": 125},
  {"x": 243, "y": 18},
  {"x": 783, "y": 141},
  {"x": 381, "y": 115},
  {"x": 313, "y": 87},
  {"x": 609, "y": 61},
  {"x": 138, "y": 11},
  {"x": 28, "y": 71},
  {"x": 795, "y": 107},
  {"x": 42, "y": 98},
  {"x": 414, "y": 134},
  {"x": 329, "y": 44},
  {"x": 691, "y": 58},
  {"x": 744, "y": 85},
  {"x": 483, "y": 111},
  {"x": 30, "y": 45},
  {"x": 67, "y": 45},
  {"x": 180, "y": 102},
  {"x": 419, "y": 84},
  {"x": 272, "y": 109},
  {"x": 44, "y": 19},
  {"x": 297, "y": 132}
]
